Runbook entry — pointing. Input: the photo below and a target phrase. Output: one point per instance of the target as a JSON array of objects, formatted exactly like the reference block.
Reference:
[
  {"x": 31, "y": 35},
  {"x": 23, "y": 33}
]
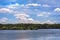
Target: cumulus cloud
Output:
[
  {"x": 46, "y": 5},
  {"x": 10, "y": 9},
  {"x": 21, "y": 16},
  {"x": 33, "y": 4},
  {"x": 36, "y": 4},
  {"x": 57, "y": 9},
  {"x": 13, "y": 5},
  {"x": 24, "y": 18},
  {"x": 5, "y": 10},
  {"x": 17, "y": 5},
  {"x": 49, "y": 22},
  {"x": 3, "y": 20},
  {"x": 44, "y": 14}
]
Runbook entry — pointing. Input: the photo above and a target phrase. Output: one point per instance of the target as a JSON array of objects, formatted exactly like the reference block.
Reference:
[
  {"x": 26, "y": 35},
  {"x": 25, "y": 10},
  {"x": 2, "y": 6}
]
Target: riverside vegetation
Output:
[{"x": 28, "y": 26}]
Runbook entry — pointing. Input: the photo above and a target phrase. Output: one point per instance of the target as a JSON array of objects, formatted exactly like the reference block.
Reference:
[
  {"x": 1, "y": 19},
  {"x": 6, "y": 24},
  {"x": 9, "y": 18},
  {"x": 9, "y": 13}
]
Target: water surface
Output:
[{"x": 41, "y": 34}]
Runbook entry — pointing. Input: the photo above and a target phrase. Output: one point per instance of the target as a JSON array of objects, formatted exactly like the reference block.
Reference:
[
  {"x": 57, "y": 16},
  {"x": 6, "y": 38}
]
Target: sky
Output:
[{"x": 29, "y": 11}]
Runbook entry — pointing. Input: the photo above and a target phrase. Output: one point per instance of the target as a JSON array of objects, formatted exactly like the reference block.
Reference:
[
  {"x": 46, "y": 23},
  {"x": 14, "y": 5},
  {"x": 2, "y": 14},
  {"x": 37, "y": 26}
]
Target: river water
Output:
[{"x": 41, "y": 34}]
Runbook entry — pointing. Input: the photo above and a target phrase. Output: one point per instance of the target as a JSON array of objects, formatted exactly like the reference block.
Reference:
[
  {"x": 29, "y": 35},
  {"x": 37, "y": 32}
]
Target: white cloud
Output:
[
  {"x": 31, "y": 19},
  {"x": 33, "y": 4},
  {"x": 44, "y": 14},
  {"x": 40, "y": 14},
  {"x": 49, "y": 22},
  {"x": 13, "y": 5},
  {"x": 24, "y": 18},
  {"x": 46, "y": 5},
  {"x": 5, "y": 10},
  {"x": 17, "y": 5},
  {"x": 57, "y": 9},
  {"x": 10, "y": 9},
  {"x": 3, "y": 20}
]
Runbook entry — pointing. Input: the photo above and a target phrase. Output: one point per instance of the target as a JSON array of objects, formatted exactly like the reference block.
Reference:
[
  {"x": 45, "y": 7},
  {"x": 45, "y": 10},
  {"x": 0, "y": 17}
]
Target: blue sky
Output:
[{"x": 30, "y": 11}]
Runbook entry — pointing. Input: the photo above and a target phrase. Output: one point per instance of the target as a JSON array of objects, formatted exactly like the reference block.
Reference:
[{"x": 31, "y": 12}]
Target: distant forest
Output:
[{"x": 28, "y": 26}]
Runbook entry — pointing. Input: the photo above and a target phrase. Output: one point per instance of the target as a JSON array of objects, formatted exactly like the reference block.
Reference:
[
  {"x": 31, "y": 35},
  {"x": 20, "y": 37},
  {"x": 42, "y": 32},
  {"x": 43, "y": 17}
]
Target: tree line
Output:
[{"x": 28, "y": 26}]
